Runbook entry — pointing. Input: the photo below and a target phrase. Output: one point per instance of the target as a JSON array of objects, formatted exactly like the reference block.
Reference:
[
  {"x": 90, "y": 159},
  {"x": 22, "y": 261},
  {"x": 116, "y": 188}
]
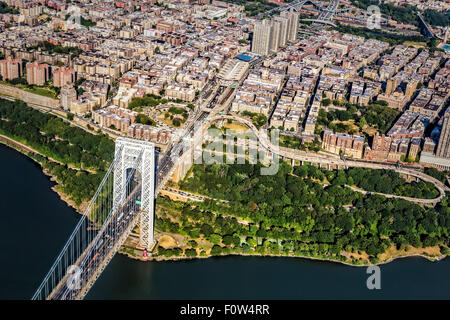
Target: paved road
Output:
[
  {"x": 416, "y": 200},
  {"x": 322, "y": 159},
  {"x": 189, "y": 195},
  {"x": 101, "y": 250}
]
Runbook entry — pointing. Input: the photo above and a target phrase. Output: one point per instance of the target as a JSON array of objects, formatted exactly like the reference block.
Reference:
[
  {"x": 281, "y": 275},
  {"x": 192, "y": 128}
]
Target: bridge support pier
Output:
[{"x": 126, "y": 153}]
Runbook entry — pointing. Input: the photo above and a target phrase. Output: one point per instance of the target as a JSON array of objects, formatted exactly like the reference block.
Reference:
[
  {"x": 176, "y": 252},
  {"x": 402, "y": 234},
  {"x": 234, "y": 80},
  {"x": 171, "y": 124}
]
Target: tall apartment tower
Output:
[
  {"x": 443, "y": 149},
  {"x": 63, "y": 76},
  {"x": 293, "y": 17},
  {"x": 275, "y": 35},
  {"x": 269, "y": 35},
  {"x": 262, "y": 34},
  {"x": 68, "y": 95},
  {"x": 284, "y": 26},
  {"x": 37, "y": 73},
  {"x": 410, "y": 88},
  {"x": 11, "y": 68}
]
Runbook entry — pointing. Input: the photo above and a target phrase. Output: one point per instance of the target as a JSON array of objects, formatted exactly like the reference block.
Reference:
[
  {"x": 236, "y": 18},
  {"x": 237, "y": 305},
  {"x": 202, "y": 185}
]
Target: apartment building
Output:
[
  {"x": 11, "y": 68},
  {"x": 379, "y": 150},
  {"x": 341, "y": 143},
  {"x": 149, "y": 133},
  {"x": 269, "y": 35},
  {"x": 443, "y": 148},
  {"x": 63, "y": 76},
  {"x": 38, "y": 74}
]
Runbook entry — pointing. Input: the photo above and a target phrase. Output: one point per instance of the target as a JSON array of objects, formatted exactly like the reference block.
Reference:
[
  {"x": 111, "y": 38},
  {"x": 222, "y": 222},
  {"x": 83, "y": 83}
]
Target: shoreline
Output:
[
  {"x": 24, "y": 150},
  {"x": 176, "y": 259}
]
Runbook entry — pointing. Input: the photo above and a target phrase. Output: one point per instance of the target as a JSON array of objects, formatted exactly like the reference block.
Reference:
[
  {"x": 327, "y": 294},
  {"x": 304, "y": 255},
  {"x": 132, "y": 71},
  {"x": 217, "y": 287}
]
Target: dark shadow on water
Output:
[
  {"x": 34, "y": 224},
  {"x": 238, "y": 277}
]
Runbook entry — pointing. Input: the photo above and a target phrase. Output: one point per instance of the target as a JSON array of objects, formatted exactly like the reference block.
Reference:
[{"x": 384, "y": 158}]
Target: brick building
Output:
[
  {"x": 11, "y": 68},
  {"x": 63, "y": 76},
  {"x": 379, "y": 150},
  {"x": 341, "y": 143},
  {"x": 38, "y": 74}
]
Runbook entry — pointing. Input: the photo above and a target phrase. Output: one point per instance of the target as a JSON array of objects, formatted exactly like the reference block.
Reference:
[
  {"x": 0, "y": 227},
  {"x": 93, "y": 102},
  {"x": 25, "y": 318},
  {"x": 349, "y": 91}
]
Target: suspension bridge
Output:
[{"x": 125, "y": 197}]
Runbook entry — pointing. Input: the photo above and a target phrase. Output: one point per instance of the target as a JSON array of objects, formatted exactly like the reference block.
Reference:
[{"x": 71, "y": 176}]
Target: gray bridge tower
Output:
[{"x": 127, "y": 152}]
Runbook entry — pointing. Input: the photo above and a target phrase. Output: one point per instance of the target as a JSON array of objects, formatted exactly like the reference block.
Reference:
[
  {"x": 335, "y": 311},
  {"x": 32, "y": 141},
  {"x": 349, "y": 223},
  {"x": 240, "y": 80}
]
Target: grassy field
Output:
[
  {"x": 236, "y": 126},
  {"x": 43, "y": 91},
  {"x": 415, "y": 44}
]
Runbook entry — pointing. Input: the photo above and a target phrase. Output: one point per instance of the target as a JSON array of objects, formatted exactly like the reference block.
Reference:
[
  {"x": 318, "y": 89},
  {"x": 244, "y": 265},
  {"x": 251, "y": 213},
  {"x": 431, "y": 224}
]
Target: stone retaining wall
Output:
[{"x": 29, "y": 97}]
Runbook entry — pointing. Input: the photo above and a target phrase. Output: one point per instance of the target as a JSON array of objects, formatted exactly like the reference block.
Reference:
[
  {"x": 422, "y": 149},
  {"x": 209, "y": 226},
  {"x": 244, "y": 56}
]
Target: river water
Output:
[{"x": 35, "y": 223}]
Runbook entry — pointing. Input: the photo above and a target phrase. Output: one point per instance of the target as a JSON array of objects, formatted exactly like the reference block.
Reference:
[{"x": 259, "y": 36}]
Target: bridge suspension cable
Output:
[{"x": 97, "y": 236}]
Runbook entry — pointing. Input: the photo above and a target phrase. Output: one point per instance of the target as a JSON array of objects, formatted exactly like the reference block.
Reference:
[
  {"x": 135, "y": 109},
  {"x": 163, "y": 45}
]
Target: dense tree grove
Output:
[
  {"x": 53, "y": 48},
  {"x": 383, "y": 181},
  {"x": 149, "y": 100},
  {"x": 440, "y": 175},
  {"x": 379, "y": 116},
  {"x": 5, "y": 8},
  {"x": 437, "y": 18},
  {"x": 309, "y": 218},
  {"x": 258, "y": 119},
  {"x": 55, "y": 138},
  {"x": 144, "y": 119},
  {"x": 391, "y": 38},
  {"x": 375, "y": 115},
  {"x": 402, "y": 13},
  {"x": 79, "y": 185}
]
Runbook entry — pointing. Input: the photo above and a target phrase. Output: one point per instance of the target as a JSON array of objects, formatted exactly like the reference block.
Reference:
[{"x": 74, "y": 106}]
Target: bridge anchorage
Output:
[{"x": 125, "y": 197}]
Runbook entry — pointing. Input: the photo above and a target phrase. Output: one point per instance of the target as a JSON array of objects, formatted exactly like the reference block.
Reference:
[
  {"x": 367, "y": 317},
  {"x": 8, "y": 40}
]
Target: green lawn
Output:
[{"x": 43, "y": 91}]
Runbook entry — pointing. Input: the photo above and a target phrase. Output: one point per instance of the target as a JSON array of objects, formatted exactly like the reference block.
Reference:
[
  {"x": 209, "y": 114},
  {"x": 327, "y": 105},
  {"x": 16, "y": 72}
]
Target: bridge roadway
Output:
[
  {"x": 428, "y": 32},
  {"x": 297, "y": 5},
  {"x": 96, "y": 257},
  {"x": 328, "y": 13},
  {"x": 330, "y": 160}
]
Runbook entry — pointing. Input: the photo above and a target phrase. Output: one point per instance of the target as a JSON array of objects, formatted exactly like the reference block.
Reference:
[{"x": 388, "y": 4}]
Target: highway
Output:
[
  {"x": 189, "y": 195},
  {"x": 101, "y": 250},
  {"x": 328, "y": 13},
  {"x": 166, "y": 165}
]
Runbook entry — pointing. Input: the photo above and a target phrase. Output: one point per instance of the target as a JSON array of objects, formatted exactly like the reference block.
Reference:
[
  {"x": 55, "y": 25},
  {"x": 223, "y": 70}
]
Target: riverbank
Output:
[{"x": 184, "y": 258}]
